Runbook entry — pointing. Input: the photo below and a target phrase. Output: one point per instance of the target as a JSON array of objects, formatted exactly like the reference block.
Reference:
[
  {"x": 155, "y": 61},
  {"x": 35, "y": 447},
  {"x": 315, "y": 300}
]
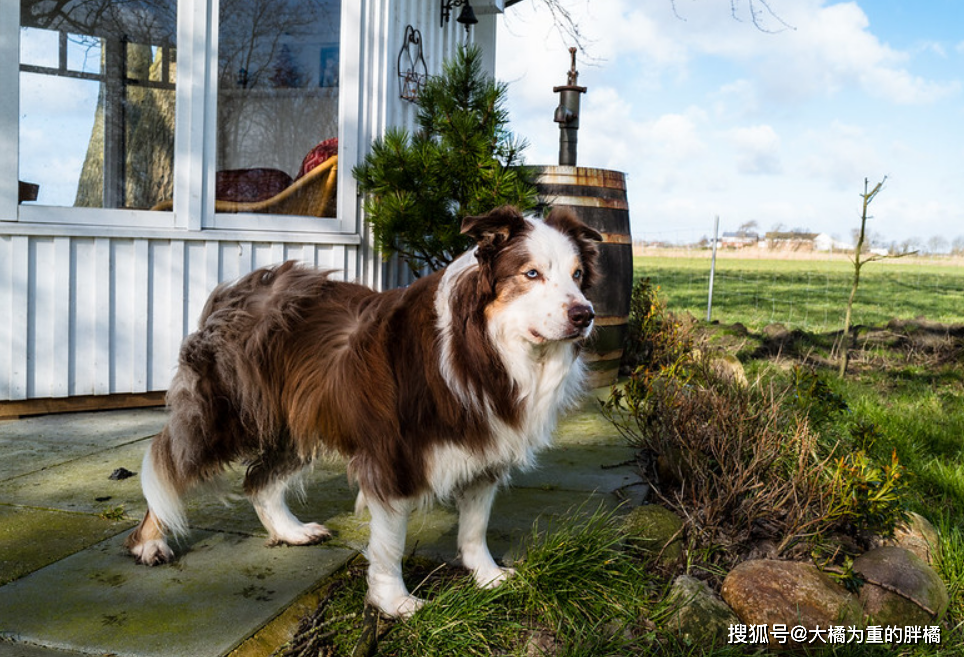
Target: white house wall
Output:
[
  {"x": 102, "y": 309},
  {"x": 101, "y": 315}
]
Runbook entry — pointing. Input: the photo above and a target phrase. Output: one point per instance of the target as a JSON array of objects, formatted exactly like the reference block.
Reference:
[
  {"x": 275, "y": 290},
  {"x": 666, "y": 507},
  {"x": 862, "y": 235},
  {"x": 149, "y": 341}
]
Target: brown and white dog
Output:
[{"x": 432, "y": 392}]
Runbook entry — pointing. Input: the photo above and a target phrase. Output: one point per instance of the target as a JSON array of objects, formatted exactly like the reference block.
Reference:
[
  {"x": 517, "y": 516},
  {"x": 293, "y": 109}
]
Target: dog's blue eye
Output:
[
  {"x": 577, "y": 275},
  {"x": 532, "y": 274}
]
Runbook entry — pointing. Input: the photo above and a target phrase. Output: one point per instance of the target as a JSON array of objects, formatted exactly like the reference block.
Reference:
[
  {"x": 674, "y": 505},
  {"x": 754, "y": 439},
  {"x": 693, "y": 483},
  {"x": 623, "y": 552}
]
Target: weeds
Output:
[
  {"x": 112, "y": 513},
  {"x": 768, "y": 467},
  {"x": 866, "y": 496},
  {"x": 577, "y": 592}
]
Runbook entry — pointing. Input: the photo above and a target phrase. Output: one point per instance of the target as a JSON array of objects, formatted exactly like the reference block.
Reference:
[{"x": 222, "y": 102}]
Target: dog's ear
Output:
[
  {"x": 585, "y": 238},
  {"x": 495, "y": 228},
  {"x": 565, "y": 221}
]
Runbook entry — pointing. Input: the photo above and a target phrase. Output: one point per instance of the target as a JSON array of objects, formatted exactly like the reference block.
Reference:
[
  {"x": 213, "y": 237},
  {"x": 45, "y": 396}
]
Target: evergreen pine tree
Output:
[{"x": 461, "y": 161}]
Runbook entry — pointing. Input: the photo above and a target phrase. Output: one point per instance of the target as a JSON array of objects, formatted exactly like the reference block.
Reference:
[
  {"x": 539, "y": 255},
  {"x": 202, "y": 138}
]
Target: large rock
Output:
[
  {"x": 655, "y": 531},
  {"x": 788, "y": 593},
  {"x": 698, "y": 615},
  {"x": 900, "y": 589},
  {"x": 917, "y": 535}
]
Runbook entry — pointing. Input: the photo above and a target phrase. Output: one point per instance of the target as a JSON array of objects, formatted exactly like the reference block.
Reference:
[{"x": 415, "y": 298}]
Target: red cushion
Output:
[
  {"x": 317, "y": 155},
  {"x": 249, "y": 185}
]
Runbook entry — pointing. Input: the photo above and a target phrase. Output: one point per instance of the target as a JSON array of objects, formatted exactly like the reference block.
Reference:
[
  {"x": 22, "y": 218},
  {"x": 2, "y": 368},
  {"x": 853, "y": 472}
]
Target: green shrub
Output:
[
  {"x": 461, "y": 161},
  {"x": 779, "y": 465},
  {"x": 867, "y": 496}
]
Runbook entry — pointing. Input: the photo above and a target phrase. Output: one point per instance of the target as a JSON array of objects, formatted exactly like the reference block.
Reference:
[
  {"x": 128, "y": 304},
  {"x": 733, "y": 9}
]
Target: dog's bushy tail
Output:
[{"x": 163, "y": 496}]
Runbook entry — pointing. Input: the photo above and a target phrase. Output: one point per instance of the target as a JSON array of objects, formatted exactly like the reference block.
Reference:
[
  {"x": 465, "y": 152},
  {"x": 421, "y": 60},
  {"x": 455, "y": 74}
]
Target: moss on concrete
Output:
[{"x": 33, "y": 538}]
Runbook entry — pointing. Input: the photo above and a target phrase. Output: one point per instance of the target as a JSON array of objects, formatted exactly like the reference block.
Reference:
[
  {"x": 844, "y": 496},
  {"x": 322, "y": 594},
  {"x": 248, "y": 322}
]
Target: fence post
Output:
[{"x": 716, "y": 239}]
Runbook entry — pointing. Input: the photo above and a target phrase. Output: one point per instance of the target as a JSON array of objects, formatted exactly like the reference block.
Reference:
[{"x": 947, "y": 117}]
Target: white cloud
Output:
[
  {"x": 842, "y": 155},
  {"x": 758, "y": 149},
  {"x": 833, "y": 49}
]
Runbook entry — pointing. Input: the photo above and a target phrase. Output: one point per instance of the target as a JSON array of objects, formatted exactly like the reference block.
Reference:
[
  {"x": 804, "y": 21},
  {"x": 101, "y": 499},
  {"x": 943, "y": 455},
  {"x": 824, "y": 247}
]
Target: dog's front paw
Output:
[
  {"x": 308, "y": 533},
  {"x": 153, "y": 552},
  {"x": 492, "y": 578}
]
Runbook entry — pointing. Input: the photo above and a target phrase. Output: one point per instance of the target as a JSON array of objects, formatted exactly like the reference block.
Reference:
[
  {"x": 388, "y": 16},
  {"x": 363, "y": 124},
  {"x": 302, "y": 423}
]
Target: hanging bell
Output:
[{"x": 467, "y": 16}]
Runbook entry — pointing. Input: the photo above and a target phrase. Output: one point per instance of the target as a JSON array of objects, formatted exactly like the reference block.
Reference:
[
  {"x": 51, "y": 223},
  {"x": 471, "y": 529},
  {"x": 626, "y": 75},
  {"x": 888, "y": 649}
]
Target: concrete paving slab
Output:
[
  {"x": 34, "y": 443},
  {"x": 33, "y": 538},
  {"x": 585, "y": 467},
  {"x": 587, "y": 426},
  {"x": 214, "y": 596},
  {"x": 82, "y": 484}
]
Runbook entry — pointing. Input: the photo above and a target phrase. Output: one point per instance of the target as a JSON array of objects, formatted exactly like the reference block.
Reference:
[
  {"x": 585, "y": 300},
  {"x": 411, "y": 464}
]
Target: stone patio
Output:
[{"x": 67, "y": 585}]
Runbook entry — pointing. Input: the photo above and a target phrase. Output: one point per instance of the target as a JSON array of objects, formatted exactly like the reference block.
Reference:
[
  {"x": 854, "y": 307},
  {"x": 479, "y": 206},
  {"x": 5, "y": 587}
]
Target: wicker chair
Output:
[{"x": 312, "y": 195}]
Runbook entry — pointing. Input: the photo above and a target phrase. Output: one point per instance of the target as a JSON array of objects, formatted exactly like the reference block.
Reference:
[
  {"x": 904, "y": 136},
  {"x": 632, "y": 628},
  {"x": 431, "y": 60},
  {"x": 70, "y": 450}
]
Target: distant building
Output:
[
  {"x": 739, "y": 239},
  {"x": 825, "y": 243}
]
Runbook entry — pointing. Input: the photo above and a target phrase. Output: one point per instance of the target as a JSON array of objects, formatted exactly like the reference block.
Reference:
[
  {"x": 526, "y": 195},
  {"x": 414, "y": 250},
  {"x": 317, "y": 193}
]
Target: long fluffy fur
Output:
[{"x": 432, "y": 391}]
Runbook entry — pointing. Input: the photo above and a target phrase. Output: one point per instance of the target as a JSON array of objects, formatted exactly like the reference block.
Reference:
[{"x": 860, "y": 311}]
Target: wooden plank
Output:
[
  {"x": 140, "y": 308},
  {"x": 180, "y": 325},
  {"x": 19, "y": 317},
  {"x": 40, "y": 318},
  {"x": 121, "y": 320},
  {"x": 102, "y": 309},
  {"x": 60, "y": 383},
  {"x": 10, "y": 410},
  {"x": 82, "y": 320}
]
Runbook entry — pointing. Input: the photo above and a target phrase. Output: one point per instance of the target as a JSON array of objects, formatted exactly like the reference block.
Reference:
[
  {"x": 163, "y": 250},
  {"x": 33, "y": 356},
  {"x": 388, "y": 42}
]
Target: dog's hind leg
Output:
[
  {"x": 475, "y": 505},
  {"x": 282, "y": 525},
  {"x": 386, "y": 545},
  {"x": 165, "y": 513}
]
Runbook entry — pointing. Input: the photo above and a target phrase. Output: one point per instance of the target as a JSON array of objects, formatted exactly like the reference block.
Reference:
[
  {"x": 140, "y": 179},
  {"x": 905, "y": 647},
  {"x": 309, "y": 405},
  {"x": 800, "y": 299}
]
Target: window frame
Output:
[{"x": 194, "y": 139}]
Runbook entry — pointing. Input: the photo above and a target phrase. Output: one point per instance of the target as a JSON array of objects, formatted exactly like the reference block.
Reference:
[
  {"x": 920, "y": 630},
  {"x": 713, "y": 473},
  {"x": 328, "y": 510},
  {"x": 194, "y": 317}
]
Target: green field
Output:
[{"x": 807, "y": 294}]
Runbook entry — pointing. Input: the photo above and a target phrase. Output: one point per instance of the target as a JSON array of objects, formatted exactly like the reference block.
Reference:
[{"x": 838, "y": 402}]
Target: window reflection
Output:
[
  {"x": 97, "y": 81},
  {"x": 277, "y": 106}
]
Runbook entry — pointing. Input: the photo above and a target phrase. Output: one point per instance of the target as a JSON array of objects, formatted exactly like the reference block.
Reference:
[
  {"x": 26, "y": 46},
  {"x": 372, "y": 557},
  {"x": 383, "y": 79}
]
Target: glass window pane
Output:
[
  {"x": 97, "y": 80},
  {"x": 277, "y": 106}
]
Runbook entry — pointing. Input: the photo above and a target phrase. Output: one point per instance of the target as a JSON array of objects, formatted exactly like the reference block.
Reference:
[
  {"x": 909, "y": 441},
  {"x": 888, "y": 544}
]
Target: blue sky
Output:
[{"x": 708, "y": 115}]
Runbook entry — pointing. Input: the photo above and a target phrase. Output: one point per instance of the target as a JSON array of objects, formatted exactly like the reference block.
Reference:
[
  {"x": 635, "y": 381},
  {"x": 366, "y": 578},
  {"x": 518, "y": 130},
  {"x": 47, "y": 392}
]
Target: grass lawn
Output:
[{"x": 807, "y": 294}]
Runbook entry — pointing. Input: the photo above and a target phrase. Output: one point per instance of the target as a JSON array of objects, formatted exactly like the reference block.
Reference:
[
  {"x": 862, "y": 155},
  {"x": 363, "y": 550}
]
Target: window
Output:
[
  {"x": 109, "y": 120},
  {"x": 277, "y": 103},
  {"x": 97, "y": 88}
]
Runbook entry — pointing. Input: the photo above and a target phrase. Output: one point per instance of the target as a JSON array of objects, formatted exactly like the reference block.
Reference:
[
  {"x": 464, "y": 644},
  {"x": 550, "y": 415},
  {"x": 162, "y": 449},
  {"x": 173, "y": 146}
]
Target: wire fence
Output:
[{"x": 806, "y": 291}]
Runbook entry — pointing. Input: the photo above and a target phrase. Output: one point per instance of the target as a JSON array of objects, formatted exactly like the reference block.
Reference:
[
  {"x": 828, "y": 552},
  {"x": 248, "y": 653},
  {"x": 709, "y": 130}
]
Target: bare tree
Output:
[
  {"x": 911, "y": 245},
  {"x": 957, "y": 246},
  {"x": 937, "y": 244},
  {"x": 860, "y": 259},
  {"x": 760, "y": 13}
]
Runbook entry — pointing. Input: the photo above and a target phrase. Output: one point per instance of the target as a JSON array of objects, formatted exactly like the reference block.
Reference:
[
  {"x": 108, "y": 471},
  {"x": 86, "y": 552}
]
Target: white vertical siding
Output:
[{"x": 102, "y": 315}]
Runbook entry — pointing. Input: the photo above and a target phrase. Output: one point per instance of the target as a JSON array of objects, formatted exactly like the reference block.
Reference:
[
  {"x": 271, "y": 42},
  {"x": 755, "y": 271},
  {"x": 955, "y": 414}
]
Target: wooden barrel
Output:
[{"x": 598, "y": 198}]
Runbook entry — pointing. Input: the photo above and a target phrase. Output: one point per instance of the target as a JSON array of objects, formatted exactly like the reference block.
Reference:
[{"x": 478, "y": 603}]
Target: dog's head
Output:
[{"x": 534, "y": 273}]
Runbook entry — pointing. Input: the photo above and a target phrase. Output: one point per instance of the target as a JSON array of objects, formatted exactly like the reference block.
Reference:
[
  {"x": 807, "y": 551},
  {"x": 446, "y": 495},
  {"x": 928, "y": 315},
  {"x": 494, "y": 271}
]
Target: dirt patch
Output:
[{"x": 901, "y": 342}]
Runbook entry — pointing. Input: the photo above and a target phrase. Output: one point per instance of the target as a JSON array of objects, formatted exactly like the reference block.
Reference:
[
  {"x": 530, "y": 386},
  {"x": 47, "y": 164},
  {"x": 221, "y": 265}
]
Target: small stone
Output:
[
  {"x": 698, "y": 615},
  {"x": 120, "y": 474},
  {"x": 790, "y": 593},
  {"x": 656, "y": 531},
  {"x": 730, "y": 369},
  {"x": 917, "y": 535},
  {"x": 900, "y": 588}
]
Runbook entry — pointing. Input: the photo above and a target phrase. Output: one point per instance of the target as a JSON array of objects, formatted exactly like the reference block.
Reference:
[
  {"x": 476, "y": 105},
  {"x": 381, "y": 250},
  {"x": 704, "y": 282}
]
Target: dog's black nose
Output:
[{"x": 581, "y": 316}]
